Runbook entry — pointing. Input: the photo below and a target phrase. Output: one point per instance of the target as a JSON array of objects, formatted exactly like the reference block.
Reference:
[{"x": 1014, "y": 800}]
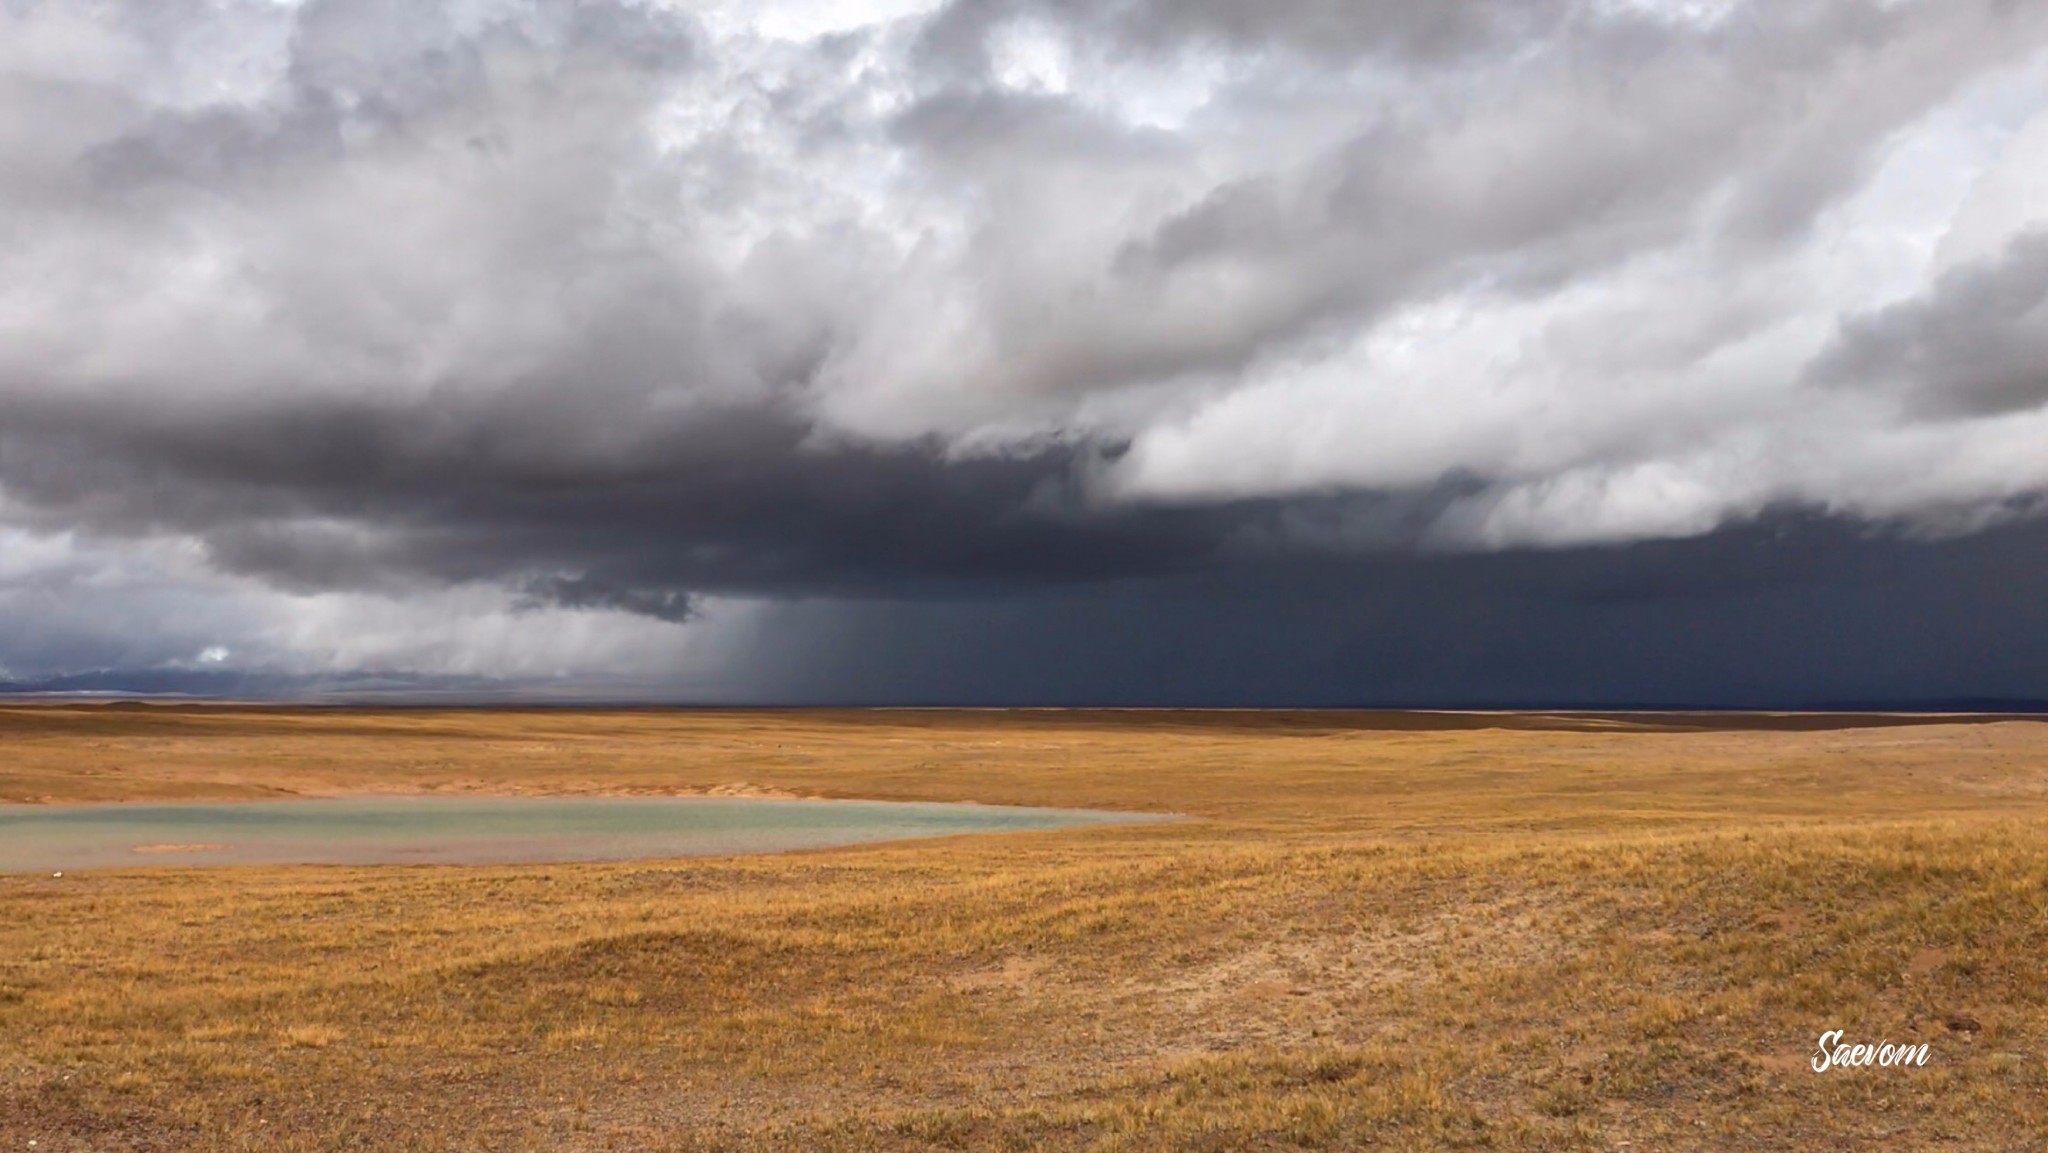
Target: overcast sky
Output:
[{"x": 1139, "y": 351}]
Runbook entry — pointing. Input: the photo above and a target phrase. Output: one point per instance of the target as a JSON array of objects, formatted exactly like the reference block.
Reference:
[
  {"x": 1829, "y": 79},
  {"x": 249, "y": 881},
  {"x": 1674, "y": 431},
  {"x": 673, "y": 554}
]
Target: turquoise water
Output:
[{"x": 446, "y": 830}]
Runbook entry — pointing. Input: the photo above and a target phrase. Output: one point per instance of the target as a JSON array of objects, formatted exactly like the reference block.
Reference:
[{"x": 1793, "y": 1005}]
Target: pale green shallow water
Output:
[{"x": 445, "y": 830}]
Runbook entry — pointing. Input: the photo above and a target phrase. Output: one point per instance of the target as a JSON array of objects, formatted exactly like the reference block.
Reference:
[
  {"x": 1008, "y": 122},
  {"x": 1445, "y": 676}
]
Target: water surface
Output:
[{"x": 448, "y": 830}]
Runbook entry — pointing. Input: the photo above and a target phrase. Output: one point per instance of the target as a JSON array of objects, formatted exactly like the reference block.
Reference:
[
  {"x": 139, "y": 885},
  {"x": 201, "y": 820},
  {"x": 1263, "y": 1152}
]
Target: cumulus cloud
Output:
[
  {"x": 608, "y": 311},
  {"x": 1975, "y": 342}
]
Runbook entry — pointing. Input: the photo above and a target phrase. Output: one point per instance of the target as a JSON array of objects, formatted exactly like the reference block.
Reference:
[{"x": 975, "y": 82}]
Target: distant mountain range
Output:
[{"x": 256, "y": 685}]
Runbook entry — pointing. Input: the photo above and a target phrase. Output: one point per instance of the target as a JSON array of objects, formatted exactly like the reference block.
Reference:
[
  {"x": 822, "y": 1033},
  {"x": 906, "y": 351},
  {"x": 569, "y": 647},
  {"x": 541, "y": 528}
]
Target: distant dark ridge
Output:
[
  {"x": 182, "y": 714},
  {"x": 242, "y": 685},
  {"x": 402, "y": 690},
  {"x": 1989, "y": 705},
  {"x": 1956, "y": 705},
  {"x": 1312, "y": 722}
]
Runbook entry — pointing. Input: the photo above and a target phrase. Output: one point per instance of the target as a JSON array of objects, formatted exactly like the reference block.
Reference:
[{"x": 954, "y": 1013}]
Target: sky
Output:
[{"x": 1331, "y": 352}]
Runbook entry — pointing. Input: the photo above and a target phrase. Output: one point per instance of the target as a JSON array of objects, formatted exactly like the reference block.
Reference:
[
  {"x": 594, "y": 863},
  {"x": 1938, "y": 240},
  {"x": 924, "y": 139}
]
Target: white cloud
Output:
[{"x": 68, "y": 603}]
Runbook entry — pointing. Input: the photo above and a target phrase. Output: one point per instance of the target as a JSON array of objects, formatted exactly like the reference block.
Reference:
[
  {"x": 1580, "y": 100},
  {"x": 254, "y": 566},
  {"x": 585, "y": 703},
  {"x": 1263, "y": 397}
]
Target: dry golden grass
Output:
[{"x": 1507, "y": 932}]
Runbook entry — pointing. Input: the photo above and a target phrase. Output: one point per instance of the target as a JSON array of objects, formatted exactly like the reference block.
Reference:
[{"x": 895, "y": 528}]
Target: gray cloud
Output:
[
  {"x": 1975, "y": 343},
  {"x": 1398, "y": 31},
  {"x": 1590, "y": 143}
]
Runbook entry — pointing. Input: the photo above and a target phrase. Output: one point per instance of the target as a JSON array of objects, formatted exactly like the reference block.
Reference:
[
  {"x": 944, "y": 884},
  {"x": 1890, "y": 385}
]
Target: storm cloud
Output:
[{"x": 702, "y": 346}]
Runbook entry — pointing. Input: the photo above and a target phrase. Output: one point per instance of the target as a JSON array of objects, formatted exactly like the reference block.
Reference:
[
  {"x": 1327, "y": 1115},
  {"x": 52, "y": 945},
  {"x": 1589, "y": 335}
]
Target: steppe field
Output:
[{"x": 1377, "y": 930}]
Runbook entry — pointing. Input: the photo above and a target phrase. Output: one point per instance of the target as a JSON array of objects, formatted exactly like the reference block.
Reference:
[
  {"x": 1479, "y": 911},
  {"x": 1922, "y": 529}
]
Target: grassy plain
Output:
[{"x": 1384, "y": 930}]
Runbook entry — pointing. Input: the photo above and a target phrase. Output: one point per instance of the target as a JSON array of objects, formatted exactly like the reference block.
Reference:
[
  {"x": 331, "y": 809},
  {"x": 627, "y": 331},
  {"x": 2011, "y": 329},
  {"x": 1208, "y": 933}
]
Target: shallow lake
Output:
[{"x": 447, "y": 830}]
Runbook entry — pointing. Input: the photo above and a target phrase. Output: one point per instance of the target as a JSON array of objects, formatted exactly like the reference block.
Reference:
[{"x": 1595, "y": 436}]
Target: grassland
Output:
[{"x": 1385, "y": 931}]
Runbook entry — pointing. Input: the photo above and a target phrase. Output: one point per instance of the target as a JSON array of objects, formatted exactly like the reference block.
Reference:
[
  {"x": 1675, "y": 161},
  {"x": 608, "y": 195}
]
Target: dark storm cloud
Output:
[
  {"x": 622, "y": 308},
  {"x": 733, "y": 503},
  {"x": 1789, "y": 612}
]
